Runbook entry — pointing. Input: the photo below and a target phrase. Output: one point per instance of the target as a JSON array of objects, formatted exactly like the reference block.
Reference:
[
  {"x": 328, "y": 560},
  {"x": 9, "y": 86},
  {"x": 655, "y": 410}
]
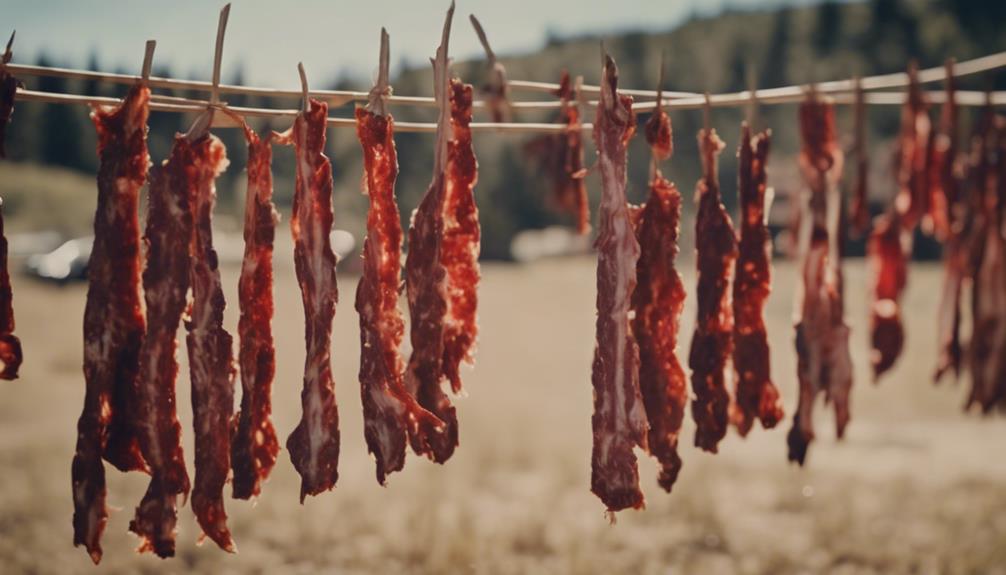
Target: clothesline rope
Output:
[{"x": 160, "y": 103}]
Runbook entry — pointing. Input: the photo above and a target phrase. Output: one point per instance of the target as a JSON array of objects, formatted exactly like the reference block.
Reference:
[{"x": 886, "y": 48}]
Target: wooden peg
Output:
[
  {"x": 377, "y": 102},
  {"x": 8, "y": 53},
  {"x": 306, "y": 94},
  {"x": 218, "y": 53},
  {"x": 148, "y": 60}
]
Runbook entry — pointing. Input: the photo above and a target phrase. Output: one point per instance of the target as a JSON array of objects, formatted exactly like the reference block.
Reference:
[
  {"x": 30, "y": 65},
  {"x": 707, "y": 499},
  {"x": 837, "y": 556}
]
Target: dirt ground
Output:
[{"x": 917, "y": 486}]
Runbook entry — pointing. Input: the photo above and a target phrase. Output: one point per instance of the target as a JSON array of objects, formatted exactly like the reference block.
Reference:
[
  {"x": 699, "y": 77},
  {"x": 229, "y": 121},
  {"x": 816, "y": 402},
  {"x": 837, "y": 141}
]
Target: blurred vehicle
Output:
[{"x": 64, "y": 264}]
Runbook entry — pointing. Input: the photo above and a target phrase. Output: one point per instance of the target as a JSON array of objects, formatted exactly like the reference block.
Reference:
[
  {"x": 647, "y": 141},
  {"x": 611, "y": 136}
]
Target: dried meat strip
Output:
[
  {"x": 619, "y": 421},
  {"x": 165, "y": 284},
  {"x": 8, "y": 90},
  {"x": 441, "y": 268},
  {"x": 912, "y": 158},
  {"x": 254, "y": 446},
  {"x": 114, "y": 321},
  {"x": 10, "y": 345},
  {"x": 756, "y": 396},
  {"x": 657, "y": 302},
  {"x": 860, "y": 217},
  {"x": 712, "y": 342},
  {"x": 314, "y": 443},
  {"x": 210, "y": 347},
  {"x": 888, "y": 252},
  {"x": 956, "y": 239},
  {"x": 561, "y": 156},
  {"x": 391, "y": 415},
  {"x": 441, "y": 277},
  {"x": 987, "y": 351},
  {"x": 824, "y": 363}
]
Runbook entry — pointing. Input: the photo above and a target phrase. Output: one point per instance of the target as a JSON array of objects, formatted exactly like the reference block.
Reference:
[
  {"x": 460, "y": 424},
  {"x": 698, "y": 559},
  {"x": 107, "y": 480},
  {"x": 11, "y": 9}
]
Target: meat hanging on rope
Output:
[
  {"x": 956, "y": 240},
  {"x": 254, "y": 446},
  {"x": 10, "y": 345},
  {"x": 391, "y": 415},
  {"x": 712, "y": 341},
  {"x": 211, "y": 356},
  {"x": 165, "y": 285},
  {"x": 756, "y": 396},
  {"x": 314, "y": 443},
  {"x": 8, "y": 90},
  {"x": 561, "y": 157},
  {"x": 824, "y": 363},
  {"x": 441, "y": 268},
  {"x": 987, "y": 351},
  {"x": 114, "y": 320},
  {"x": 860, "y": 210},
  {"x": 619, "y": 421},
  {"x": 657, "y": 302},
  {"x": 893, "y": 231}
]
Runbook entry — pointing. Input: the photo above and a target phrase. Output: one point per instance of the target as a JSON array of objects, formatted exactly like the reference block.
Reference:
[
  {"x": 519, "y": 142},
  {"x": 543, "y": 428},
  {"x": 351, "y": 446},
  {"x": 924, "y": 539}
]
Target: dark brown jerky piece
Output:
[{"x": 254, "y": 445}]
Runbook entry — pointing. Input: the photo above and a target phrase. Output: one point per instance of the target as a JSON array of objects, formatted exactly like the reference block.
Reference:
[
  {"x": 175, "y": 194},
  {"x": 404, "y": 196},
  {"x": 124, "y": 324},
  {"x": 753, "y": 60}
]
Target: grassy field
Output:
[{"x": 916, "y": 487}]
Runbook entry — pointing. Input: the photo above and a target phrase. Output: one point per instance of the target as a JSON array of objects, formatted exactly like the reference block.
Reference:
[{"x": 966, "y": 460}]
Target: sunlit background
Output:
[{"x": 917, "y": 485}]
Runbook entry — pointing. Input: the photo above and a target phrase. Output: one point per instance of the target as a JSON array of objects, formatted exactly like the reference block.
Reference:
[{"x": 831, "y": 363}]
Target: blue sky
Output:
[{"x": 269, "y": 37}]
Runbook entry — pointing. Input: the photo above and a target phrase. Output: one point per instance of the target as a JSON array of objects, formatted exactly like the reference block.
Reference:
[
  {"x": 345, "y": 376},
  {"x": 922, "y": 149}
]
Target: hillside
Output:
[{"x": 785, "y": 46}]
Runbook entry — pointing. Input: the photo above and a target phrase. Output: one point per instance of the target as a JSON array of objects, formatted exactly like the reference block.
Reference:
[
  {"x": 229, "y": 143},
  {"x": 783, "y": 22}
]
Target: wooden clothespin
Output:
[
  {"x": 8, "y": 53},
  {"x": 305, "y": 92},
  {"x": 202, "y": 124},
  {"x": 707, "y": 113},
  {"x": 495, "y": 90},
  {"x": 377, "y": 101},
  {"x": 441, "y": 91},
  {"x": 751, "y": 110},
  {"x": 148, "y": 61}
]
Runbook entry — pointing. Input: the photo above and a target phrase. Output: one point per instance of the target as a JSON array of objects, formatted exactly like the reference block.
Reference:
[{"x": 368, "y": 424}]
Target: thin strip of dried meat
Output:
[
  {"x": 956, "y": 237},
  {"x": 165, "y": 285},
  {"x": 888, "y": 252},
  {"x": 619, "y": 421},
  {"x": 756, "y": 396},
  {"x": 254, "y": 446},
  {"x": 441, "y": 268},
  {"x": 10, "y": 346},
  {"x": 561, "y": 157},
  {"x": 657, "y": 302},
  {"x": 390, "y": 414},
  {"x": 314, "y": 443},
  {"x": 987, "y": 350},
  {"x": 495, "y": 92},
  {"x": 860, "y": 219},
  {"x": 712, "y": 341},
  {"x": 210, "y": 347},
  {"x": 8, "y": 90},
  {"x": 824, "y": 363},
  {"x": 114, "y": 321},
  {"x": 912, "y": 158}
]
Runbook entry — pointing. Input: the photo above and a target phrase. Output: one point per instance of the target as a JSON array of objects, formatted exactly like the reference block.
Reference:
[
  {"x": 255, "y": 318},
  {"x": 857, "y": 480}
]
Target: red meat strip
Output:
[
  {"x": 955, "y": 264},
  {"x": 656, "y": 306},
  {"x": 314, "y": 444},
  {"x": 619, "y": 421},
  {"x": 860, "y": 219},
  {"x": 561, "y": 157},
  {"x": 912, "y": 159},
  {"x": 391, "y": 415},
  {"x": 888, "y": 254},
  {"x": 10, "y": 345},
  {"x": 987, "y": 352},
  {"x": 254, "y": 446},
  {"x": 712, "y": 341},
  {"x": 165, "y": 284},
  {"x": 211, "y": 357},
  {"x": 441, "y": 269},
  {"x": 756, "y": 395},
  {"x": 114, "y": 321},
  {"x": 824, "y": 363},
  {"x": 8, "y": 90}
]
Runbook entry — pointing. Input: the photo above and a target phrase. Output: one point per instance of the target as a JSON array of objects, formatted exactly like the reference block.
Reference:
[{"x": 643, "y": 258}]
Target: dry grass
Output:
[{"x": 916, "y": 487}]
